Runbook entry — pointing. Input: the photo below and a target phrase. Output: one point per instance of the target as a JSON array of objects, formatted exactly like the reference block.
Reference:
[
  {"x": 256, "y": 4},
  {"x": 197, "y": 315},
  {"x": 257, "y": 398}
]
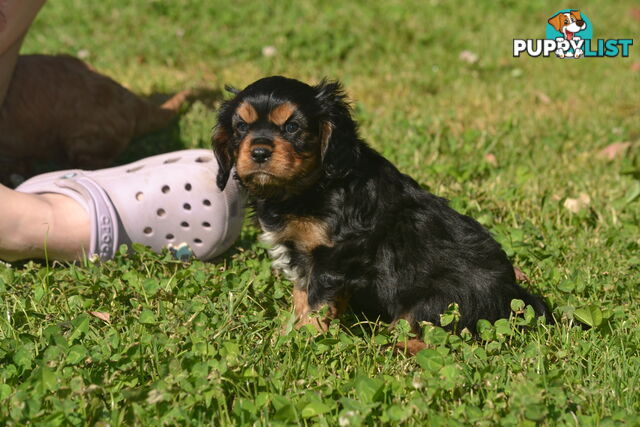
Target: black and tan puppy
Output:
[{"x": 346, "y": 226}]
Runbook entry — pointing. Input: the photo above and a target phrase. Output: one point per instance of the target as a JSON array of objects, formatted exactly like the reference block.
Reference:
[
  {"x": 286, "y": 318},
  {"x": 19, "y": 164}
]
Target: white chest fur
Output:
[
  {"x": 305, "y": 234},
  {"x": 281, "y": 259}
]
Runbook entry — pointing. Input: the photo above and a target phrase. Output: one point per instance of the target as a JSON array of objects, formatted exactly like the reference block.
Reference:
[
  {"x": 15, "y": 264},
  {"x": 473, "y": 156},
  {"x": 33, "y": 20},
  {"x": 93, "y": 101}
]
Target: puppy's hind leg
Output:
[{"x": 412, "y": 345}]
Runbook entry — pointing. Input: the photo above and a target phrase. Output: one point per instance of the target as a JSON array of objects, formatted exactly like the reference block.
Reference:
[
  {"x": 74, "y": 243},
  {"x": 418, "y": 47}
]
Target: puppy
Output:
[
  {"x": 568, "y": 24},
  {"x": 59, "y": 110},
  {"x": 346, "y": 227}
]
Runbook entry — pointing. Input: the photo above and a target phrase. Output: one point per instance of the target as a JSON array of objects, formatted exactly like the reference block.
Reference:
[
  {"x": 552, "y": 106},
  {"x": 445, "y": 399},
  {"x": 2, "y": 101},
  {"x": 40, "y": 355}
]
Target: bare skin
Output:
[
  {"x": 32, "y": 226},
  {"x": 43, "y": 225},
  {"x": 15, "y": 18}
]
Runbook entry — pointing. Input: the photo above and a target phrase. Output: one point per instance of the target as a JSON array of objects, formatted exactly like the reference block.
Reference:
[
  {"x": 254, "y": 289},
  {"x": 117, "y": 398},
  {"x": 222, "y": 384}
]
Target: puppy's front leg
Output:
[
  {"x": 304, "y": 311},
  {"x": 328, "y": 285}
]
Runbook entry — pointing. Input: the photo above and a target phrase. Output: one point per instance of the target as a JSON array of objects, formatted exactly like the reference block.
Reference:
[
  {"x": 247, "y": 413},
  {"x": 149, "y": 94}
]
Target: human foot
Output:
[{"x": 160, "y": 201}]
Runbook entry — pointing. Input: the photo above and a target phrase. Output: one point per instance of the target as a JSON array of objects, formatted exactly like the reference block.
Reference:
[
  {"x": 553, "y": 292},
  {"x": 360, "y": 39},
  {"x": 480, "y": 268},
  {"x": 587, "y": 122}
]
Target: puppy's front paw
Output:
[
  {"x": 321, "y": 324},
  {"x": 578, "y": 53},
  {"x": 411, "y": 346}
]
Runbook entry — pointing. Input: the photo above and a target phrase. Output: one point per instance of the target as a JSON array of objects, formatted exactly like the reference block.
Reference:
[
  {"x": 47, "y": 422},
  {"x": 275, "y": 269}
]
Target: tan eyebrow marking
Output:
[
  {"x": 247, "y": 112},
  {"x": 281, "y": 113}
]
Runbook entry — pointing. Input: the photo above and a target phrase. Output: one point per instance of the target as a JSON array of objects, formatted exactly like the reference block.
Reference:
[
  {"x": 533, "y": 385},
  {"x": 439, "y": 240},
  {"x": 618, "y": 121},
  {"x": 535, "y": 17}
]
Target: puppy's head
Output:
[
  {"x": 568, "y": 23},
  {"x": 277, "y": 133}
]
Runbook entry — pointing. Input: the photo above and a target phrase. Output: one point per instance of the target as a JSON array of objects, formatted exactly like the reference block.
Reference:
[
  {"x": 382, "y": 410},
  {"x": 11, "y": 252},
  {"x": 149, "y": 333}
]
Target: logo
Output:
[{"x": 569, "y": 34}]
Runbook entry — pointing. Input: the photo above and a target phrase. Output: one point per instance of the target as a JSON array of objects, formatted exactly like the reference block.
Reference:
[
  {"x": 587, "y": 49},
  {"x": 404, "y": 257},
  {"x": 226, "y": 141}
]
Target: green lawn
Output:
[{"x": 202, "y": 342}]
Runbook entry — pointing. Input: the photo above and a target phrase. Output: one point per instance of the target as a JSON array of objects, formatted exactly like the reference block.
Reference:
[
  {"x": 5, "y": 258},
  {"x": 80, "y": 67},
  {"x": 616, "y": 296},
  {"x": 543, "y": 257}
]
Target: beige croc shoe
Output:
[{"x": 169, "y": 200}]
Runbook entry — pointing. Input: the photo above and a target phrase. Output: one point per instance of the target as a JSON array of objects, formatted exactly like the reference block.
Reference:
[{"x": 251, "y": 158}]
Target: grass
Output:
[{"x": 202, "y": 343}]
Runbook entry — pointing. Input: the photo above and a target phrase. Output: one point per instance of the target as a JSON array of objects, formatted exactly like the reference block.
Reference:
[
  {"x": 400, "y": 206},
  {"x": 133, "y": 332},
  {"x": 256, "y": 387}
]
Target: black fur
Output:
[{"x": 398, "y": 251}]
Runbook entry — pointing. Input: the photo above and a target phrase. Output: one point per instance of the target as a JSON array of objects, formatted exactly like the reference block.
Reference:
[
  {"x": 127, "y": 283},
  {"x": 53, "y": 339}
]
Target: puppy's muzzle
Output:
[{"x": 261, "y": 152}]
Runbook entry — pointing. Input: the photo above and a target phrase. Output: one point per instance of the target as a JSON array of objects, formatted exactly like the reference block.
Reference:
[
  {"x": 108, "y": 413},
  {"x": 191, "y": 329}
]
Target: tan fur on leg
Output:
[
  {"x": 411, "y": 346},
  {"x": 303, "y": 311}
]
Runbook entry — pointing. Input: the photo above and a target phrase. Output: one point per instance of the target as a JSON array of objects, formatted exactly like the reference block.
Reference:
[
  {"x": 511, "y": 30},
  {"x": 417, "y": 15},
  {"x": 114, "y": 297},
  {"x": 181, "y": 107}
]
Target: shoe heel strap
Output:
[{"x": 104, "y": 225}]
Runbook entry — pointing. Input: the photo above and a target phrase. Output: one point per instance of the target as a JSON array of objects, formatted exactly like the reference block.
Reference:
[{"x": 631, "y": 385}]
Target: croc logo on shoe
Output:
[{"x": 105, "y": 249}]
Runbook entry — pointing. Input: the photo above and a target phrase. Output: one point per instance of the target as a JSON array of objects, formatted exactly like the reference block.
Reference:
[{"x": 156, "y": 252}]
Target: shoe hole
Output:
[
  {"x": 206, "y": 224},
  {"x": 166, "y": 162},
  {"x": 206, "y": 202},
  {"x": 197, "y": 241},
  {"x": 203, "y": 159},
  {"x": 166, "y": 189},
  {"x": 187, "y": 186},
  {"x": 139, "y": 196},
  {"x": 170, "y": 236},
  {"x": 184, "y": 224},
  {"x": 187, "y": 207},
  {"x": 161, "y": 212},
  {"x": 136, "y": 169},
  {"x": 148, "y": 231}
]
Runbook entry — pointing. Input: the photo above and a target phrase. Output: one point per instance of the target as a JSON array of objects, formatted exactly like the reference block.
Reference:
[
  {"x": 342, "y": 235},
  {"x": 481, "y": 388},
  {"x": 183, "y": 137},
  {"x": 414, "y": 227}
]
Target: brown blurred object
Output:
[
  {"x": 3, "y": 17},
  {"x": 59, "y": 110}
]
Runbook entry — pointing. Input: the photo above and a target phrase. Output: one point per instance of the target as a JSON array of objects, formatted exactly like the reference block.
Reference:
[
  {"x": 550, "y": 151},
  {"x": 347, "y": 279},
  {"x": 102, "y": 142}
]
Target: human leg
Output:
[
  {"x": 35, "y": 225},
  {"x": 15, "y": 18}
]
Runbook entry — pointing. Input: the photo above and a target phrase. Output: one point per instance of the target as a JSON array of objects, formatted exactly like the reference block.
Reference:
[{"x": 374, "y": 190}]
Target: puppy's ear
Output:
[
  {"x": 576, "y": 14},
  {"x": 232, "y": 90},
  {"x": 556, "y": 21},
  {"x": 334, "y": 110},
  {"x": 338, "y": 130},
  {"x": 331, "y": 96},
  {"x": 224, "y": 154},
  {"x": 326, "y": 129}
]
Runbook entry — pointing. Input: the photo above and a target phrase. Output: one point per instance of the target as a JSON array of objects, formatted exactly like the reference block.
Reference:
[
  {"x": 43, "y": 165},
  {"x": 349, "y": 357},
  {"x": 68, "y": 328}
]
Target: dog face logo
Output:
[
  {"x": 568, "y": 23},
  {"x": 569, "y": 28}
]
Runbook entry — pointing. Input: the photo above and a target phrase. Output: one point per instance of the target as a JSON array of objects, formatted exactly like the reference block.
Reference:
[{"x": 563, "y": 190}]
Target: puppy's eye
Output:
[
  {"x": 242, "y": 127},
  {"x": 291, "y": 127}
]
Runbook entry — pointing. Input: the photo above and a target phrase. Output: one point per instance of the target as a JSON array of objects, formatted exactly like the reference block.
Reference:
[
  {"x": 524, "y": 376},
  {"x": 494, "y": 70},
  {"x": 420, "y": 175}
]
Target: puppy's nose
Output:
[
  {"x": 260, "y": 154},
  {"x": 580, "y": 23}
]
